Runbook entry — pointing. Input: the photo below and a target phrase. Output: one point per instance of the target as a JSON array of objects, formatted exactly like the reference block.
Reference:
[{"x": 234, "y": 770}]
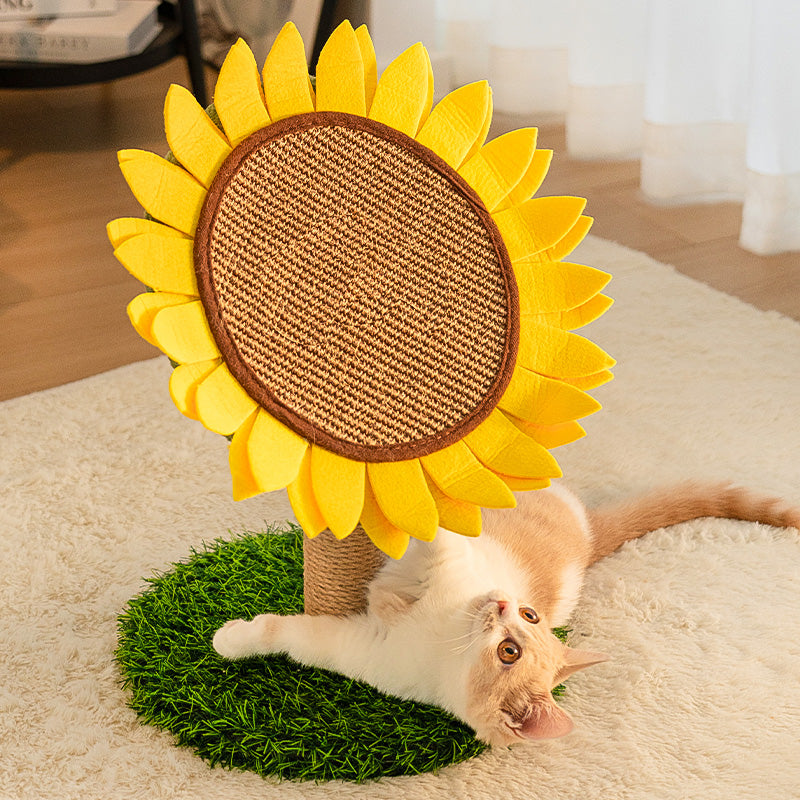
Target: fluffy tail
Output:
[{"x": 615, "y": 525}]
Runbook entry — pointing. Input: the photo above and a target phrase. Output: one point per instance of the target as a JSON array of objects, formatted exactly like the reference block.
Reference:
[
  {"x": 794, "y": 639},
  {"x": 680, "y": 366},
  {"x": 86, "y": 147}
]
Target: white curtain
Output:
[{"x": 705, "y": 92}]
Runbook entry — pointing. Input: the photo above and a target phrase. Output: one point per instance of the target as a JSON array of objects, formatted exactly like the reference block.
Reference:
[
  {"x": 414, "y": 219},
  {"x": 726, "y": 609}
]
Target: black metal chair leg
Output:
[
  {"x": 191, "y": 45},
  {"x": 324, "y": 30}
]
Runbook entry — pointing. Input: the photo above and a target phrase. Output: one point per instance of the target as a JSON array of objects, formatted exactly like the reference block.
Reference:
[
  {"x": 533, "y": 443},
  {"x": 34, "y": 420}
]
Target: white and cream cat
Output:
[{"x": 465, "y": 624}]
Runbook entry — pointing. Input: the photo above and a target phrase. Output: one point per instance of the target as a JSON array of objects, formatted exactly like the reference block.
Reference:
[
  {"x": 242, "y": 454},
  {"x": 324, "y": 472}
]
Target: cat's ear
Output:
[
  {"x": 575, "y": 660},
  {"x": 544, "y": 720}
]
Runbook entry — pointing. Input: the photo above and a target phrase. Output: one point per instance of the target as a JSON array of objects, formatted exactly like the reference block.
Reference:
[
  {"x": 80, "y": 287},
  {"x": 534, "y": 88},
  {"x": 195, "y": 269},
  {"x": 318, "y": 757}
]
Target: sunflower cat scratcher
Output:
[{"x": 364, "y": 296}]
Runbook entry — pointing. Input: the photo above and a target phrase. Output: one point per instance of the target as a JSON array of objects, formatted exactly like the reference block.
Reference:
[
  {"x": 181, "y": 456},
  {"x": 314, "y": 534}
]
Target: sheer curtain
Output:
[{"x": 705, "y": 92}]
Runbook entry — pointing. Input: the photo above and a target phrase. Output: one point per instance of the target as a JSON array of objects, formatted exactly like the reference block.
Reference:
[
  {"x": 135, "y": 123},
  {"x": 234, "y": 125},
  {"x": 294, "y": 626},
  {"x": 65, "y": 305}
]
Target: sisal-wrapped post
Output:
[{"x": 336, "y": 572}]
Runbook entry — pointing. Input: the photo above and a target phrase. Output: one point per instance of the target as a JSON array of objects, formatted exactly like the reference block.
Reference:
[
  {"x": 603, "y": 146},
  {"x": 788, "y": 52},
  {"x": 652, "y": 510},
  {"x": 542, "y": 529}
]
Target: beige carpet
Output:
[{"x": 103, "y": 482}]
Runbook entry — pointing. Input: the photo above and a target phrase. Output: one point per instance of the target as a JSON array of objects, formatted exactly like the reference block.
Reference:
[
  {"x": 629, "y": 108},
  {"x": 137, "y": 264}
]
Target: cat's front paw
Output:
[{"x": 242, "y": 639}]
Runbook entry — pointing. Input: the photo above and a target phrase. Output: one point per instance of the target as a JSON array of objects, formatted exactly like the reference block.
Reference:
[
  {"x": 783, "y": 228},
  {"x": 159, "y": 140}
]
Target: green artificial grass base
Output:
[{"x": 268, "y": 715}]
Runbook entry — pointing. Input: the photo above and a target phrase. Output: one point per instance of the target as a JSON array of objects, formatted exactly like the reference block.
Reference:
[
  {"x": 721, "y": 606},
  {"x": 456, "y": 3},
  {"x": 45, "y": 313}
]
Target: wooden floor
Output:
[{"x": 63, "y": 295}]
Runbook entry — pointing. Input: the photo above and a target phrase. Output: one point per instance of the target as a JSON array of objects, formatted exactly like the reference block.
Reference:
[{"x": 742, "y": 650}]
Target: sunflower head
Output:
[{"x": 361, "y": 291}]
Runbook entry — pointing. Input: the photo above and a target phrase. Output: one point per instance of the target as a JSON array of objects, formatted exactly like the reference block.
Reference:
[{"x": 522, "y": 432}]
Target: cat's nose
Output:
[{"x": 501, "y": 606}]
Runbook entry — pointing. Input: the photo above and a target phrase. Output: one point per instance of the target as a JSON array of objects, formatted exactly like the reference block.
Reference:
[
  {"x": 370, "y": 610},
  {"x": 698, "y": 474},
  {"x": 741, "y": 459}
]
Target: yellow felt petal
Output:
[
  {"x": 537, "y": 224},
  {"x": 385, "y": 536},
  {"x": 274, "y": 452},
  {"x": 404, "y": 498},
  {"x": 563, "y": 247},
  {"x": 165, "y": 190},
  {"x": 340, "y": 73},
  {"x": 370, "y": 63},
  {"x": 524, "y": 484},
  {"x": 143, "y": 308},
  {"x": 301, "y": 497},
  {"x": 498, "y": 166},
  {"x": 461, "y": 476},
  {"x": 124, "y": 228},
  {"x": 545, "y": 401},
  {"x": 338, "y": 488},
  {"x": 193, "y": 138},
  {"x": 574, "y": 318},
  {"x": 182, "y": 332},
  {"x": 500, "y": 445},
  {"x": 550, "y": 286},
  {"x": 574, "y": 237},
  {"x": 164, "y": 263},
  {"x": 551, "y": 436},
  {"x": 239, "y": 96},
  {"x": 454, "y": 125},
  {"x": 587, "y": 382},
  {"x": 184, "y": 381},
  {"x": 222, "y": 404},
  {"x": 530, "y": 181},
  {"x": 456, "y": 515},
  {"x": 484, "y": 131},
  {"x": 287, "y": 88},
  {"x": 404, "y": 93},
  {"x": 557, "y": 353},
  {"x": 243, "y": 483}
]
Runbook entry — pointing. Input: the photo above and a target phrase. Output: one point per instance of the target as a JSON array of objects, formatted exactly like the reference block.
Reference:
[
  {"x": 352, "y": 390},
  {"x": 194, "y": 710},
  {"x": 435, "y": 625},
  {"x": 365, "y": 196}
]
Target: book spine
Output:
[
  {"x": 30, "y": 9},
  {"x": 76, "y": 49}
]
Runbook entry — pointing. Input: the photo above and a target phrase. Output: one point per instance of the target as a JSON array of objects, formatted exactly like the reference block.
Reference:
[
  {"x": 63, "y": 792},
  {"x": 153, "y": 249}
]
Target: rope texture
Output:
[{"x": 336, "y": 572}]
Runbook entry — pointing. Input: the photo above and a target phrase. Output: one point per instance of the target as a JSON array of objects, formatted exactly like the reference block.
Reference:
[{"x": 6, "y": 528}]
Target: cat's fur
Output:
[{"x": 442, "y": 622}]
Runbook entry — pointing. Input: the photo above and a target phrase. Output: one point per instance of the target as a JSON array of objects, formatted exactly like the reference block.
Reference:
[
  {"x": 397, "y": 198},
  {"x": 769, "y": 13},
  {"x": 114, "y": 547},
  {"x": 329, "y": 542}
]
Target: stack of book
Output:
[{"x": 76, "y": 31}]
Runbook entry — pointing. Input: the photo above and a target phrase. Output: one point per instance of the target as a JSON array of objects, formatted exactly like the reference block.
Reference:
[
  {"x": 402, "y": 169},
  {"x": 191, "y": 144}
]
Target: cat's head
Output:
[{"x": 518, "y": 661}]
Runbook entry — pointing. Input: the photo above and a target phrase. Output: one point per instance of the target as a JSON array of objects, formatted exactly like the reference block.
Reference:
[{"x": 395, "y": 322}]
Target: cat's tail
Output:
[{"x": 614, "y": 525}]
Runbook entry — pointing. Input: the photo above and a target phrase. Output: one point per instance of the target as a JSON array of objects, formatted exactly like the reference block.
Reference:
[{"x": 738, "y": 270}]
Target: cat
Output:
[{"x": 465, "y": 624}]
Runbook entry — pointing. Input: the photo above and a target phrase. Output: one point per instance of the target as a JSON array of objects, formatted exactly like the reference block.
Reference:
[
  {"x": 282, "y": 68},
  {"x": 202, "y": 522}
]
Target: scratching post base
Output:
[{"x": 268, "y": 715}]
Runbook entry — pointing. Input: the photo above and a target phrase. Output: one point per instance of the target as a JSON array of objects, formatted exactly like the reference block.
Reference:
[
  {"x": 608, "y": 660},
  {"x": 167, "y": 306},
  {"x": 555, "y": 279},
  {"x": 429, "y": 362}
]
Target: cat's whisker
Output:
[
  {"x": 471, "y": 636},
  {"x": 468, "y": 614},
  {"x": 458, "y": 638},
  {"x": 464, "y": 647}
]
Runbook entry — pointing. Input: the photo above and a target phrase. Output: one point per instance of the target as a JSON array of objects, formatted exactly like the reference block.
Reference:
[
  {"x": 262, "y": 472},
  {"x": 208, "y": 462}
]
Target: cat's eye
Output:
[
  {"x": 508, "y": 651},
  {"x": 529, "y": 615}
]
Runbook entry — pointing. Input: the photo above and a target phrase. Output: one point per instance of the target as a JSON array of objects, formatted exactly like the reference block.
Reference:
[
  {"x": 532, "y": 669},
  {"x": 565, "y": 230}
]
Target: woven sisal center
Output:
[{"x": 357, "y": 287}]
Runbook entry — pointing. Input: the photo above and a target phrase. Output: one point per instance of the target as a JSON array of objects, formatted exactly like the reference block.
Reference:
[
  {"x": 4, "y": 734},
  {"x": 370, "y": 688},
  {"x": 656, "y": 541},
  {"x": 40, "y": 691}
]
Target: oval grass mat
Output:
[{"x": 268, "y": 715}]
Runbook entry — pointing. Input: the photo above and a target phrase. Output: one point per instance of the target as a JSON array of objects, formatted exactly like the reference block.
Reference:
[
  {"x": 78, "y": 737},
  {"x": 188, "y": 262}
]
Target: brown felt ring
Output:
[{"x": 387, "y": 426}]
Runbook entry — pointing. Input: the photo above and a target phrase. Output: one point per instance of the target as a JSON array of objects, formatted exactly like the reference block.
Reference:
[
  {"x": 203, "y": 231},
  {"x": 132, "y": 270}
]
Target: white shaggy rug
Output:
[{"x": 104, "y": 482}]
